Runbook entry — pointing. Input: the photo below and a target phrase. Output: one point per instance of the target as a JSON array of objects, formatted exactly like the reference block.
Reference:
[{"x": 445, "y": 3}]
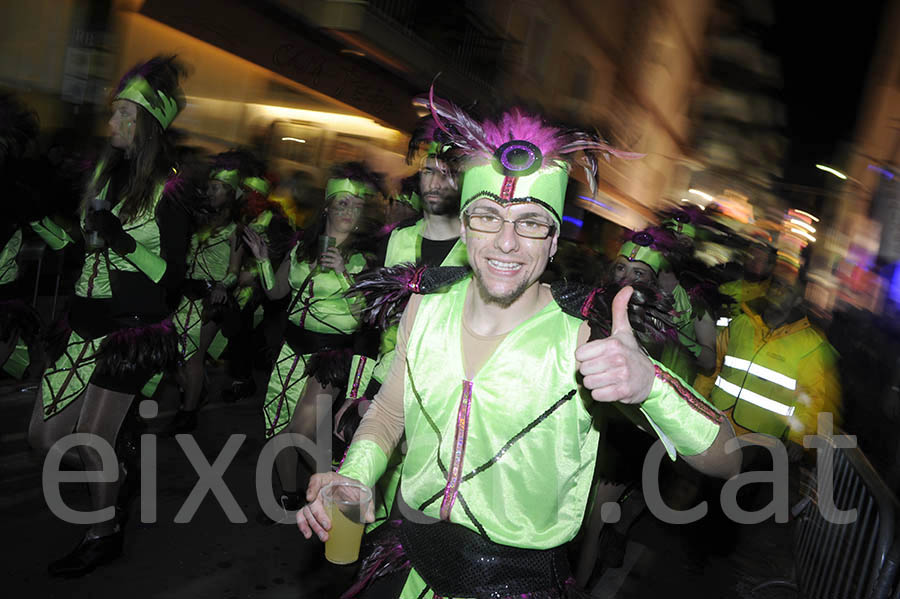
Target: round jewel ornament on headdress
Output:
[
  {"x": 518, "y": 158},
  {"x": 648, "y": 246},
  {"x": 643, "y": 238}
]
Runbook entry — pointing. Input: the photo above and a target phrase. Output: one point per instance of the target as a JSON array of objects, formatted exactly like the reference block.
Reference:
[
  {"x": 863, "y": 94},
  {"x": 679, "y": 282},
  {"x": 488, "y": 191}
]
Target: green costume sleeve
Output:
[
  {"x": 682, "y": 419},
  {"x": 149, "y": 263},
  {"x": 53, "y": 234},
  {"x": 365, "y": 461},
  {"x": 266, "y": 274}
]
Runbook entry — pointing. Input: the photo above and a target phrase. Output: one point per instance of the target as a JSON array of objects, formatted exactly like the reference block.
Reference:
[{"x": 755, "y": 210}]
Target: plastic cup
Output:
[
  {"x": 345, "y": 503},
  {"x": 92, "y": 239},
  {"x": 325, "y": 242}
]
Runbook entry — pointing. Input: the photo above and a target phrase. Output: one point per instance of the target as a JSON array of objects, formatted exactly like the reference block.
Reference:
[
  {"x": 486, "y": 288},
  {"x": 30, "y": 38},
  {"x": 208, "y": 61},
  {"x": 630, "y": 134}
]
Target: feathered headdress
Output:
[
  {"x": 518, "y": 157},
  {"x": 687, "y": 220},
  {"x": 355, "y": 178},
  {"x": 227, "y": 167},
  {"x": 154, "y": 86},
  {"x": 652, "y": 246},
  {"x": 427, "y": 134}
]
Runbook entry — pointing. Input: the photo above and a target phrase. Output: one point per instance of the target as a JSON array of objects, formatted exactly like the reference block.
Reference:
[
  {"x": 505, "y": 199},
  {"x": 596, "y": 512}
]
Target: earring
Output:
[{"x": 551, "y": 258}]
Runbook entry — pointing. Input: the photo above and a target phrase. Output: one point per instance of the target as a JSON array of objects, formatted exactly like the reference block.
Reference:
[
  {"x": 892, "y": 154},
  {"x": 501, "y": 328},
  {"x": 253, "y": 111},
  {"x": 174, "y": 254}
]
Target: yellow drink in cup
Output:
[{"x": 346, "y": 504}]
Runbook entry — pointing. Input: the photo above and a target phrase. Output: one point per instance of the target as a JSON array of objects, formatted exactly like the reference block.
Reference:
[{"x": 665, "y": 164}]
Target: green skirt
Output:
[
  {"x": 68, "y": 377},
  {"x": 287, "y": 384},
  {"x": 188, "y": 320}
]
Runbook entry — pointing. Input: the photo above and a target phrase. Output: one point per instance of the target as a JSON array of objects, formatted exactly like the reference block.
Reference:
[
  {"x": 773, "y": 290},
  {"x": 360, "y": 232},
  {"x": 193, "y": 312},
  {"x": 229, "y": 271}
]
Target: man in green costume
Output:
[
  {"x": 431, "y": 240},
  {"x": 492, "y": 385}
]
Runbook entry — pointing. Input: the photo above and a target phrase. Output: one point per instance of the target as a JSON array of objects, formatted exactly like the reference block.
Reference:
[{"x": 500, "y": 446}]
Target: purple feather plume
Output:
[{"x": 476, "y": 141}]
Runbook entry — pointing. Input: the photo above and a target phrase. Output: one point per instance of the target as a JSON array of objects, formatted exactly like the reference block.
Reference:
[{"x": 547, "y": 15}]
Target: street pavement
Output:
[{"x": 213, "y": 557}]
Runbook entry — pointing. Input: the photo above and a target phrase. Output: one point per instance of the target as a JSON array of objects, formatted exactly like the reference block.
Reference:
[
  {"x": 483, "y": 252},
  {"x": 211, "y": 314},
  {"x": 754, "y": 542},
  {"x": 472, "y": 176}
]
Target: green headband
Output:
[
  {"x": 687, "y": 229},
  {"x": 652, "y": 258},
  {"x": 163, "y": 108},
  {"x": 434, "y": 148},
  {"x": 412, "y": 199},
  {"x": 257, "y": 184},
  {"x": 545, "y": 187},
  {"x": 354, "y": 188},
  {"x": 229, "y": 177}
]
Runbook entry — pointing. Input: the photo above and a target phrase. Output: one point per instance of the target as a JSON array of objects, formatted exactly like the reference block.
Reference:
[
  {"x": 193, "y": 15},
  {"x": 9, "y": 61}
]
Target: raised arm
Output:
[
  {"x": 375, "y": 439},
  {"x": 275, "y": 284},
  {"x": 615, "y": 369}
]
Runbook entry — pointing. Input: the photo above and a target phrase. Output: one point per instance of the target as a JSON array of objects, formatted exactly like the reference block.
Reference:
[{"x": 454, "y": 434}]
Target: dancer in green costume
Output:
[
  {"x": 501, "y": 443},
  {"x": 212, "y": 269},
  {"x": 251, "y": 346},
  {"x": 19, "y": 323},
  {"x": 319, "y": 341},
  {"x": 137, "y": 232}
]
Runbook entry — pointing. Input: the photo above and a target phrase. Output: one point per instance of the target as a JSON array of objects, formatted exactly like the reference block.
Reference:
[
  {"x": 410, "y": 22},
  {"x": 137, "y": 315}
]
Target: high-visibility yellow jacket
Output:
[
  {"x": 773, "y": 381},
  {"x": 741, "y": 291}
]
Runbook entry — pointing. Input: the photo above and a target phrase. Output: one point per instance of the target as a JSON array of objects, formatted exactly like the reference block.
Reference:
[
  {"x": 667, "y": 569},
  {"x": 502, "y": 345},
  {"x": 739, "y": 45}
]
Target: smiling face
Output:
[
  {"x": 628, "y": 272},
  {"x": 506, "y": 264},
  {"x": 344, "y": 212},
  {"x": 439, "y": 189},
  {"x": 122, "y": 124}
]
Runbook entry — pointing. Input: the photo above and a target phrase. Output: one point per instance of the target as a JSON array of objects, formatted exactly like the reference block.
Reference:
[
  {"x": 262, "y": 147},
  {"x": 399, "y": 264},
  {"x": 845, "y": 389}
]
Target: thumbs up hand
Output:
[{"x": 615, "y": 368}]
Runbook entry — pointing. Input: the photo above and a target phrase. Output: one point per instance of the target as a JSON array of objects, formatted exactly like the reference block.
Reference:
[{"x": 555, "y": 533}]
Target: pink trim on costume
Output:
[
  {"x": 354, "y": 393},
  {"x": 508, "y": 189},
  {"x": 633, "y": 253},
  {"x": 699, "y": 406},
  {"x": 306, "y": 304},
  {"x": 586, "y": 306},
  {"x": 416, "y": 280},
  {"x": 459, "y": 450}
]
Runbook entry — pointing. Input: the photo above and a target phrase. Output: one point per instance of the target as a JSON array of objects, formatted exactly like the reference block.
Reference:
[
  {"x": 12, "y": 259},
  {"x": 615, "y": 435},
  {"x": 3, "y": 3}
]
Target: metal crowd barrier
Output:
[{"x": 843, "y": 561}]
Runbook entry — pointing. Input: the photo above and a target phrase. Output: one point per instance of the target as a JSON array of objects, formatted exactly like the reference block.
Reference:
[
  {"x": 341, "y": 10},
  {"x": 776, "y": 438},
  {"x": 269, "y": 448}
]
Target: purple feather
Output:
[
  {"x": 662, "y": 239},
  {"x": 387, "y": 291}
]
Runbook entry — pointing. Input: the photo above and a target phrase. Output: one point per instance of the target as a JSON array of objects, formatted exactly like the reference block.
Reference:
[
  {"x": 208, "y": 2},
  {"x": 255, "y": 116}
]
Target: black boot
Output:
[
  {"x": 90, "y": 553},
  {"x": 239, "y": 390}
]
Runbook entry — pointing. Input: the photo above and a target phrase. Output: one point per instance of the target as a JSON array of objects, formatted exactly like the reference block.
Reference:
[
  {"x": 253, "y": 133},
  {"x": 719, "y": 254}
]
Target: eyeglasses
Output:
[{"x": 524, "y": 227}]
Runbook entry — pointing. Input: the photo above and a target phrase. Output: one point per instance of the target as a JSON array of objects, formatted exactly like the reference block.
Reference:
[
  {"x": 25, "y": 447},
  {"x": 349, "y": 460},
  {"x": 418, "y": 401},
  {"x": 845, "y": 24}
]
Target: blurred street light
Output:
[
  {"x": 834, "y": 172},
  {"x": 803, "y": 225},
  {"x": 807, "y": 214},
  {"x": 702, "y": 194}
]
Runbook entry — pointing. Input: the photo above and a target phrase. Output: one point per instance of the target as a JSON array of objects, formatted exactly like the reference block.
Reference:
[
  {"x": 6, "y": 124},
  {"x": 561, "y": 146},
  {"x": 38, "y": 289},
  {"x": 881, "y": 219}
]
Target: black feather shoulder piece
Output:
[
  {"x": 649, "y": 311},
  {"x": 387, "y": 290}
]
